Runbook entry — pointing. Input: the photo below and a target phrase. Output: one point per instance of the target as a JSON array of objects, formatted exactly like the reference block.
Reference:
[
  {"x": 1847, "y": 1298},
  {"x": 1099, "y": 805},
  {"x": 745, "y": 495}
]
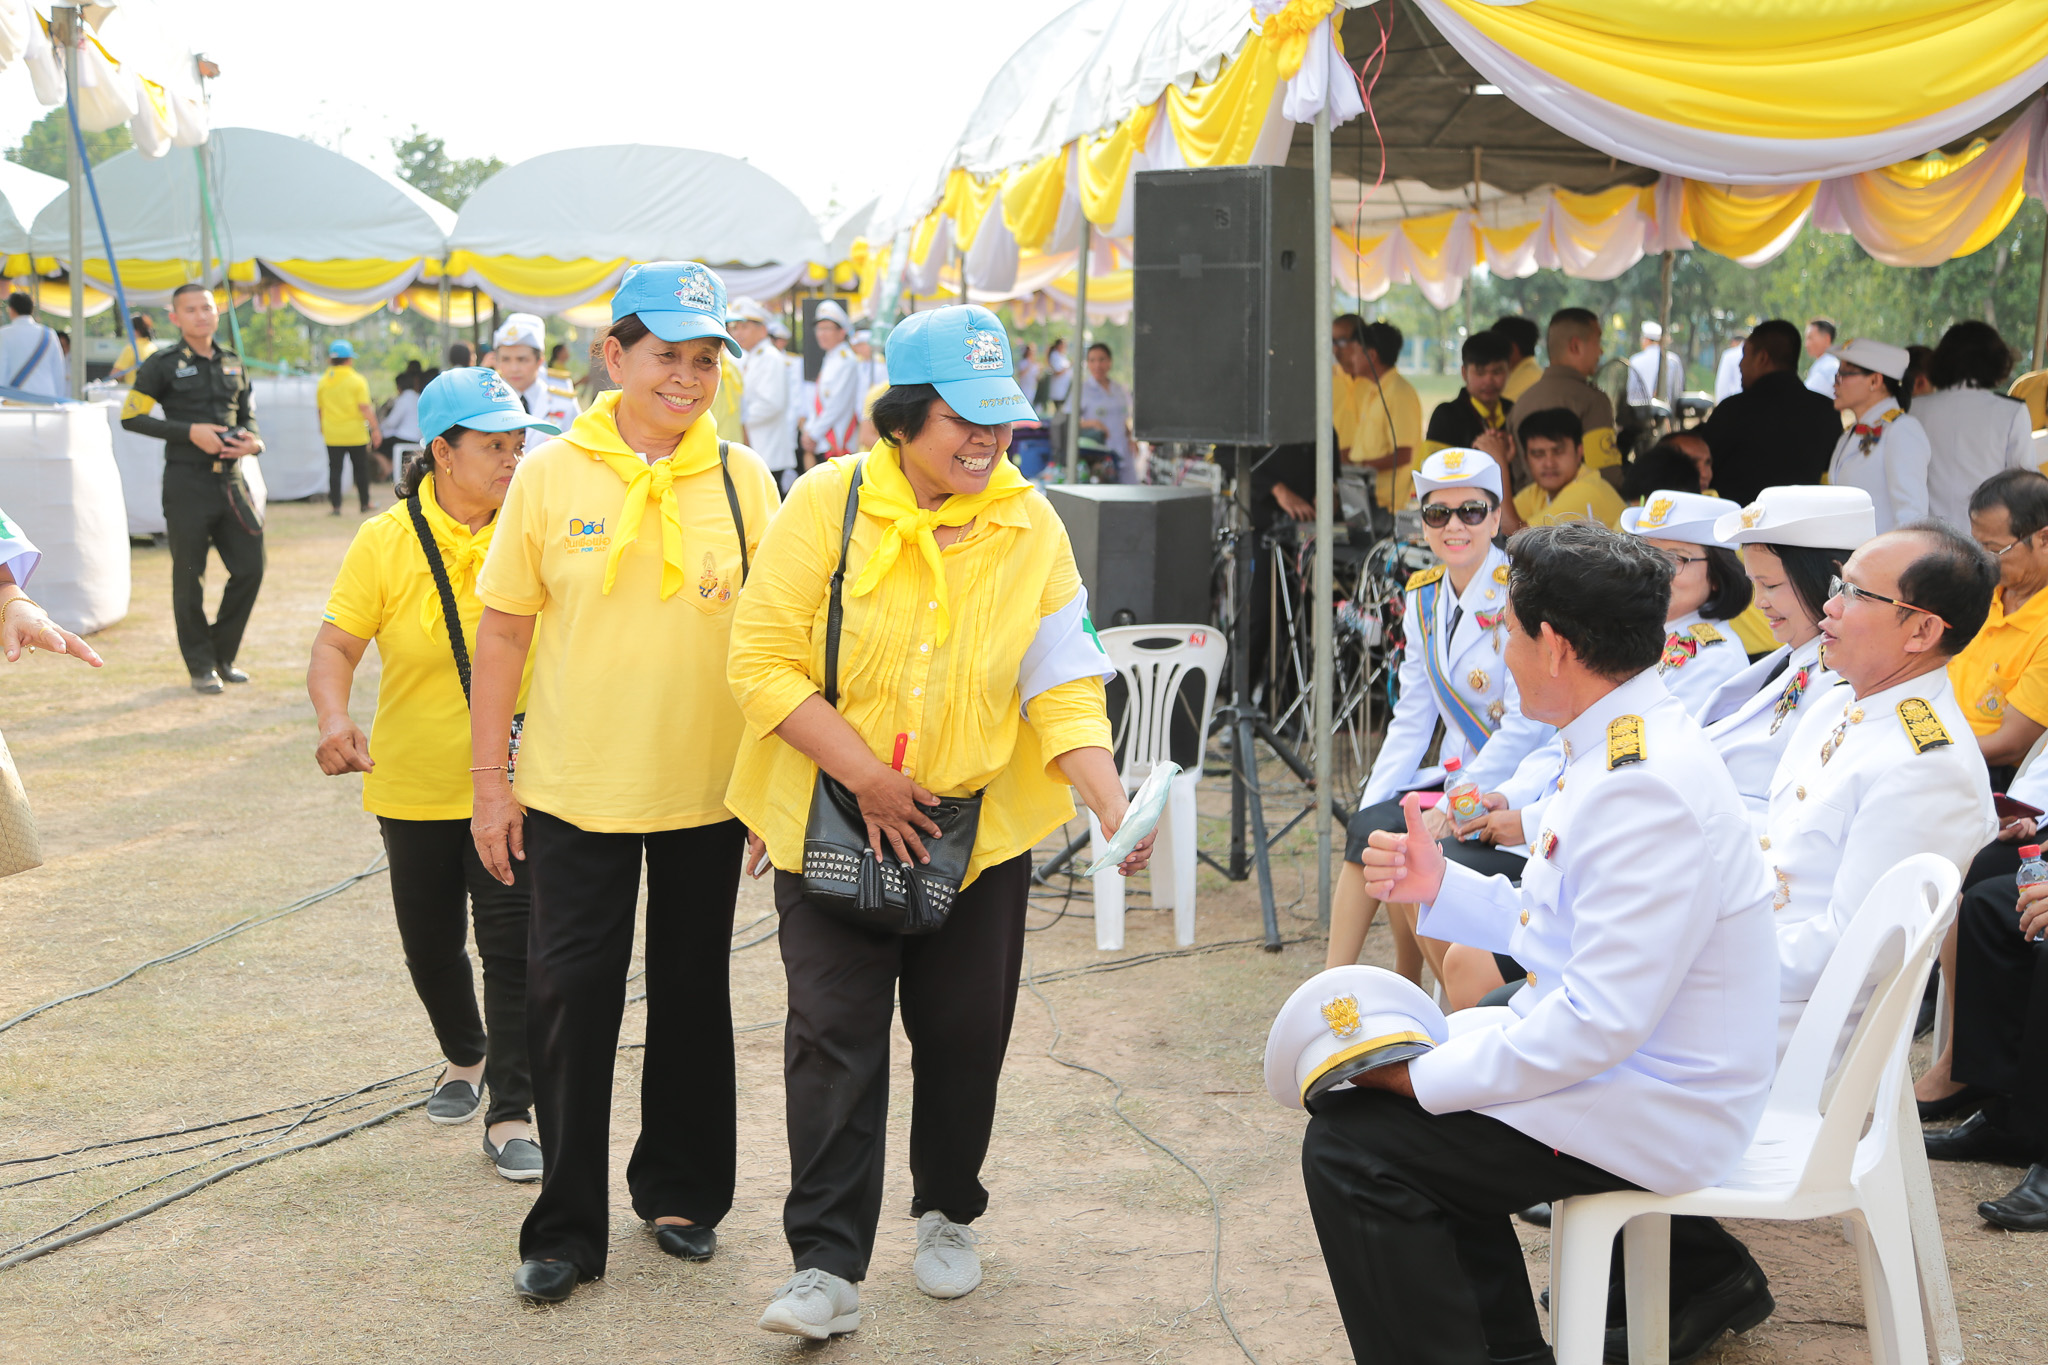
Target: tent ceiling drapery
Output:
[
  {"x": 23, "y": 193},
  {"x": 131, "y": 69}
]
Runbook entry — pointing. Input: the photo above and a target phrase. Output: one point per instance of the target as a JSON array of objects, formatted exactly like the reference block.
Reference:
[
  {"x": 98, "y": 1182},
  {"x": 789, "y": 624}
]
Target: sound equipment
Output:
[
  {"x": 1223, "y": 300},
  {"x": 1145, "y": 553}
]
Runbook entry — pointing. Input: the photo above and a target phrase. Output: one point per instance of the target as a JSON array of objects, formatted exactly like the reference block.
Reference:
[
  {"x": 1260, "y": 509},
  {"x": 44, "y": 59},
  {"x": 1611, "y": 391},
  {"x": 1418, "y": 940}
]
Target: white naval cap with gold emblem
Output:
[
  {"x": 1458, "y": 467},
  {"x": 1671, "y": 515},
  {"x": 1343, "y": 1022},
  {"x": 521, "y": 329},
  {"x": 1822, "y": 516}
]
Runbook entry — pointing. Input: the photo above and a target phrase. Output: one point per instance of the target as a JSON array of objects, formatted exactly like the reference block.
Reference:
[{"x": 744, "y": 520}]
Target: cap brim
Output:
[
  {"x": 676, "y": 325},
  {"x": 497, "y": 419},
  {"x": 987, "y": 402}
]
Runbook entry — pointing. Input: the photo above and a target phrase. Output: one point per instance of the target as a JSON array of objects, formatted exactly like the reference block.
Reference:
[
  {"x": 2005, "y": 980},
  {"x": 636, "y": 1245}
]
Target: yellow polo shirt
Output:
[
  {"x": 341, "y": 395},
  {"x": 1343, "y": 403},
  {"x": 630, "y": 727},
  {"x": 1588, "y": 497},
  {"x": 2006, "y": 665},
  {"x": 385, "y": 592},
  {"x": 1389, "y": 417},
  {"x": 1521, "y": 377}
]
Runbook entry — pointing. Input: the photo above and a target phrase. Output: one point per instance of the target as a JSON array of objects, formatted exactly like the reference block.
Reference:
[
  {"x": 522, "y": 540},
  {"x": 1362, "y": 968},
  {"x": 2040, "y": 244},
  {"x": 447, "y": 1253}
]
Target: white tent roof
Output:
[
  {"x": 23, "y": 193},
  {"x": 642, "y": 203},
  {"x": 276, "y": 197}
]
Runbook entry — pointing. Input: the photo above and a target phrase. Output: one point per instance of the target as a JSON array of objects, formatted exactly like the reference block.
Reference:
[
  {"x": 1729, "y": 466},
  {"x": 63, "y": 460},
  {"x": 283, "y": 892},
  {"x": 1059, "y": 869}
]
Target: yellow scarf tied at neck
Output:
[
  {"x": 886, "y": 495},
  {"x": 462, "y": 562},
  {"x": 655, "y": 484}
]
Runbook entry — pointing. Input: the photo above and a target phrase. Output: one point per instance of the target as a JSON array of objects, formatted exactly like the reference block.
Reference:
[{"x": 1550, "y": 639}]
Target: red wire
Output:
[{"x": 1377, "y": 59}]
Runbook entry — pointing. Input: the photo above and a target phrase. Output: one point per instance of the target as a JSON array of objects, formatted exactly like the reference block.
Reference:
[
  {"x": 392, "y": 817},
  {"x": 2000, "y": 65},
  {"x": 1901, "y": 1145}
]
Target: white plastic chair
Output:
[
  {"x": 1811, "y": 1157},
  {"x": 1153, "y": 661}
]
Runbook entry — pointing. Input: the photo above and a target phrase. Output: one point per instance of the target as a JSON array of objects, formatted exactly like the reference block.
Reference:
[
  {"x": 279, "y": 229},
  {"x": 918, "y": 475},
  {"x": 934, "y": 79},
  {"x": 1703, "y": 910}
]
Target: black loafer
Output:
[
  {"x": 546, "y": 1281},
  {"x": 1536, "y": 1215},
  {"x": 1736, "y": 1304},
  {"x": 2025, "y": 1209},
  {"x": 229, "y": 673},
  {"x": 687, "y": 1241},
  {"x": 208, "y": 682},
  {"x": 1962, "y": 1104},
  {"x": 1975, "y": 1139}
]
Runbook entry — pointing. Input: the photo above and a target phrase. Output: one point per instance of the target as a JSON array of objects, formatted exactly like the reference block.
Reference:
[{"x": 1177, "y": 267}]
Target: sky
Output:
[{"x": 837, "y": 101}]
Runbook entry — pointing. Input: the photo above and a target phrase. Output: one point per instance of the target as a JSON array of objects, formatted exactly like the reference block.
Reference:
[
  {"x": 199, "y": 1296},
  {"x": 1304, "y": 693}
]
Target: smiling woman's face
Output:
[
  {"x": 952, "y": 455},
  {"x": 665, "y": 386}
]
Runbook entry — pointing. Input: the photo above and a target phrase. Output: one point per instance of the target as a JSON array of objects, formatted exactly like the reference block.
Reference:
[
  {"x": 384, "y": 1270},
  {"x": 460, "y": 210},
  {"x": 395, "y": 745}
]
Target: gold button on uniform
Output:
[
  {"x": 1800, "y": 793},
  {"x": 1525, "y": 917},
  {"x": 1532, "y": 978}
]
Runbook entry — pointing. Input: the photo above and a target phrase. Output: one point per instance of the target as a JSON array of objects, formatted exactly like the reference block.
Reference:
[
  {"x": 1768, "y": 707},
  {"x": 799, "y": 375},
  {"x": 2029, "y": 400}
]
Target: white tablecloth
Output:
[
  {"x": 293, "y": 464},
  {"x": 60, "y": 485}
]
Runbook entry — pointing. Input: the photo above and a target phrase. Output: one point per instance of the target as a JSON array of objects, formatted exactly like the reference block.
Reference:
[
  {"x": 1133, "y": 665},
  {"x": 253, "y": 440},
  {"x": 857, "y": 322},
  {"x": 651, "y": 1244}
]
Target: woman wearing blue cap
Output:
[
  {"x": 916, "y": 640},
  {"x": 409, "y": 576},
  {"x": 625, "y": 546}
]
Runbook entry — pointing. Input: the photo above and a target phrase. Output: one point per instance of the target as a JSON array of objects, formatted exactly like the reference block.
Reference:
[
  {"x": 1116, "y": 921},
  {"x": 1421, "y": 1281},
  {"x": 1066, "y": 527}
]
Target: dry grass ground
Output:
[{"x": 170, "y": 815}]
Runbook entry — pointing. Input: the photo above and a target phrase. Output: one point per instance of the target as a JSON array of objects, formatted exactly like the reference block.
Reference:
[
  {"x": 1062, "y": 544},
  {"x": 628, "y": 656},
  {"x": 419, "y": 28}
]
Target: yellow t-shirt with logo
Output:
[
  {"x": 1389, "y": 417},
  {"x": 342, "y": 394},
  {"x": 1588, "y": 497},
  {"x": 631, "y": 726},
  {"x": 2005, "y": 665},
  {"x": 385, "y": 592}
]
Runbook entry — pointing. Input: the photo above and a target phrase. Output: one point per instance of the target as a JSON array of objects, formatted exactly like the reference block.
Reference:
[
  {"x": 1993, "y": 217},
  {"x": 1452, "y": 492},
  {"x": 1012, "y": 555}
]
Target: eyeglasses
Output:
[
  {"x": 2000, "y": 554},
  {"x": 1339, "y": 343},
  {"x": 1679, "y": 561},
  {"x": 1842, "y": 587},
  {"x": 1437, "y": 515}
]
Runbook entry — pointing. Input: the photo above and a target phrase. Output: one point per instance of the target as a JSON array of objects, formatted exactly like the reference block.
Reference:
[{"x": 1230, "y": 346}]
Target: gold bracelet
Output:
[
  {"x": 24, "y": 598},
  {"x": 489, "y": 768}
]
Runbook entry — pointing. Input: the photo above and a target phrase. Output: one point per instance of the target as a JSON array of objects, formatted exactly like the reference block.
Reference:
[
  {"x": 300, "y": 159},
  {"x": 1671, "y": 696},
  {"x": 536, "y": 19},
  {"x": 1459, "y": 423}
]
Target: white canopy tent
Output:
[{"x": 23, "y": 193}]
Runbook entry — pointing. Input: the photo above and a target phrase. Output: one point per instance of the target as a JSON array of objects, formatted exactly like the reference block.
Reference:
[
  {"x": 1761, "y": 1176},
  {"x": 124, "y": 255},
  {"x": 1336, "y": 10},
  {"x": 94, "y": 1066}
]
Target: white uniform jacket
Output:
[
  {"x": 1889, "y": 462},
  {"x": 835, "y": 419},
  {"x": 1469, "y": 661},
  {"x": 764, "y": 406},
  {"x": 1864, "y": 783},
  {"x": 553, "y": 402},
  {"x": 1699, "y": 656},
  {"x": 1644, "y": 1041},
  {"x": 1750, "y": 719}
]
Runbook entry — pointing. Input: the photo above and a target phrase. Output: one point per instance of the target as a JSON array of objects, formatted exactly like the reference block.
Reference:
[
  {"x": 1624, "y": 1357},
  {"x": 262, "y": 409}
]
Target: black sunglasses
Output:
[{"x": 1437, "y": 515}]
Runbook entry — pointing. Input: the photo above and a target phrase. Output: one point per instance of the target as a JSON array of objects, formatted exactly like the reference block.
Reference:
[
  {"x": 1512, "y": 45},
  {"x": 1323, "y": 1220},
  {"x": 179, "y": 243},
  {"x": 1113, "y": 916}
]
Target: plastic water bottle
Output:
[
  {"x": 1463, "y": 795},
  {"x": 2033, "y": 868}
]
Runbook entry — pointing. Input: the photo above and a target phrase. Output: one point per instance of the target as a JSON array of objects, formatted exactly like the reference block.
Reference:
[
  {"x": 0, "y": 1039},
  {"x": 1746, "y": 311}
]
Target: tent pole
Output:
[
  {"x": 69, "y": 18},
  {"x": 2041, "y": 309},
  {"x": 213, "y": 243},
  {"x": 1076, "y": 361},
  {"x": 1664, "y": 330},
  {"x": 1325, "y": 663}
]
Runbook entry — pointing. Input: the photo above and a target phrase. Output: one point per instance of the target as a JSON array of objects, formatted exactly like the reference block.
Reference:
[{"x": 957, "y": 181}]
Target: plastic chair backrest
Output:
[
  {"x": 1891, "y": 942},
  {"x": 1154, "y": 660}
]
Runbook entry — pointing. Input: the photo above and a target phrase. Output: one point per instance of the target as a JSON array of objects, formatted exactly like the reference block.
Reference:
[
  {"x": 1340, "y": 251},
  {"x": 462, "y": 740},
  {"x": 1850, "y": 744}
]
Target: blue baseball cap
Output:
[
  {"x": 963, "y": 352},
  {"x": 340, "y": 350},
  {"x": 678, "y": 300},
  {"x": 475, "y": 398}
]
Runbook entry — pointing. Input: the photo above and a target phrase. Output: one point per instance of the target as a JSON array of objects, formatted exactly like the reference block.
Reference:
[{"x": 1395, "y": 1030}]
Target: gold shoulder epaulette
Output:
[
  {"x": 1923, "y": 727},
  {"x": 561, "y": 391},
  {"x": 1424, "y": 577},
  {"x": 1706, "y": 634},
  {"x": 1624, "y": 742}
]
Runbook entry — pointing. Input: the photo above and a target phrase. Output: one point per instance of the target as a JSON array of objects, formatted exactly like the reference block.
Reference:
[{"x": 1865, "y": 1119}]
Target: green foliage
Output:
[
  {"x": 42, "y": 147},
  {"x": 424, "y": 164}
]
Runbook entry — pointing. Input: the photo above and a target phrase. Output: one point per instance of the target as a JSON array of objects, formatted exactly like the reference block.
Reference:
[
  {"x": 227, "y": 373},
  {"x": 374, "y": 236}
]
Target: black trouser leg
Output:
[
  {"x": 335, "y": 455},
  {"x": 238, "y": 536},
  {"x": 434, "y": 871},
  {"x": 685, "y": 1161},
  {"x": 359, "y": 459},
  {"x": 1412, "y": 1210},
  {"x": 2001, "y": 999},
  {"x": 192, "y": 503}
]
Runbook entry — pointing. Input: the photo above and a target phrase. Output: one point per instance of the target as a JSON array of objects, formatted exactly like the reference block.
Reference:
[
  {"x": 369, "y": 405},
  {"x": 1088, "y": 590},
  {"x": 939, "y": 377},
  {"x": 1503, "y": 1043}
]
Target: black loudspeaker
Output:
[
  {"x": 1144, "y": 552},
  {"x": 1223, "y": 262}
]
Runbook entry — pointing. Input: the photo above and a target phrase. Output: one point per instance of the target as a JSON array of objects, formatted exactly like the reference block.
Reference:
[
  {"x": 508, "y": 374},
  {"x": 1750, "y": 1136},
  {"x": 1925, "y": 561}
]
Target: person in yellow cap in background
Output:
[
  {"x": 518, "y": 344},
  {"x": 834, "y": 423},
  {"x": 348, "y": 423},
  {"x": 620, "y": 551}
]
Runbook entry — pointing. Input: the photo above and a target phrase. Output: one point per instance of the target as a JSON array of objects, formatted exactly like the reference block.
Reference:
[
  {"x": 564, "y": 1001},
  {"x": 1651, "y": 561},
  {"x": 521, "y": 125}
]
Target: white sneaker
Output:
[
  {"x": 815, "y": 1304},
  {"x": 947, "y": 1264}
]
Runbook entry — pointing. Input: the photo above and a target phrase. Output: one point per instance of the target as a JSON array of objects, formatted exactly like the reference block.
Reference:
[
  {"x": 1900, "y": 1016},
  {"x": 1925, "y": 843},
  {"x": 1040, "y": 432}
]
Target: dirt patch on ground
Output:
[{"x": 170, "y": 816}]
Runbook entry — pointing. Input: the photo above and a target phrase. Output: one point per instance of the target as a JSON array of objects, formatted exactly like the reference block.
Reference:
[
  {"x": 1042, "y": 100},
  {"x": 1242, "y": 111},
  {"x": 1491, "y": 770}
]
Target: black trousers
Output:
[
  {"x": 2001, "y": 1000},
  {"x": 359, "y": 460},
  {"x": 1388, "y": 817},
  {"x": 205, "y": 510},
  {"x": 1413, "y": 1211},
  {"x": 585, "y": 889},
  {"x": 959, "y": 993},
  {"x": 435, "y": 876}
]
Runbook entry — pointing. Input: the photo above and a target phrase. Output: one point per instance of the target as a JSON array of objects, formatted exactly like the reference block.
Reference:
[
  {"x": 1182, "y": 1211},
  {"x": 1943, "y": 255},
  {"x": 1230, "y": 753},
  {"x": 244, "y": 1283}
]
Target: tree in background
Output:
[
  {"x": 42, "y": 147},
  {"x": 424, "y": 164}
]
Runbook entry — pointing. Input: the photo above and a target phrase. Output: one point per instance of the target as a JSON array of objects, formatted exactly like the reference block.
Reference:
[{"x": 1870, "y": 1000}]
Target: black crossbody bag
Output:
[{"x": 842, "y": 874}]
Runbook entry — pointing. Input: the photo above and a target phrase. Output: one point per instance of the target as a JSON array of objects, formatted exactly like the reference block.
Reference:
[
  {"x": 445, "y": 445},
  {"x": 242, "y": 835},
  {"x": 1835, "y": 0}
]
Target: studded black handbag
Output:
[{"x": 843, "y": 875}]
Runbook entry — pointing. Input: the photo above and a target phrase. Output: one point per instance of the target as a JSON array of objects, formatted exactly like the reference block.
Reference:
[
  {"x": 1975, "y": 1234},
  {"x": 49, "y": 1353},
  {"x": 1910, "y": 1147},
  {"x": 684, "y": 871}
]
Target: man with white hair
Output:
[
  {"x": 764, "y": 391},
  {"x": 1642, "y": 369},
  {"x": 519, "y": 345},
  {"x": 834, "y": 425}
]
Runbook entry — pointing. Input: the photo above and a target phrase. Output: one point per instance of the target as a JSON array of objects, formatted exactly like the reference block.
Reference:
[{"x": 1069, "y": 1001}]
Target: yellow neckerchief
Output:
[
  {"x": 462, "y": 552},
  {"x": 597, "y": 432},
  {"x": 886, "y": 495},
  {"x": 1494, "y": 417}
]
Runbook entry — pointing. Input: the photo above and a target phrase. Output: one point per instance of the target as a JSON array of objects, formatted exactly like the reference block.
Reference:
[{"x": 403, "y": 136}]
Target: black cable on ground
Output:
[
  {"x": 241, "y": 927},
  {"x": 1116, "y": 1106}
]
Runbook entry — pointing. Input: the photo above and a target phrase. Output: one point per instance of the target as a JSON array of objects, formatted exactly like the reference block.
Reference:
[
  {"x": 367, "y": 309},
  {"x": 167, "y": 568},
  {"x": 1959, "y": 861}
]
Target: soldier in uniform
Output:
[
  {"x": 518, "y": 345},
  {"x": 196, "y": 398}
]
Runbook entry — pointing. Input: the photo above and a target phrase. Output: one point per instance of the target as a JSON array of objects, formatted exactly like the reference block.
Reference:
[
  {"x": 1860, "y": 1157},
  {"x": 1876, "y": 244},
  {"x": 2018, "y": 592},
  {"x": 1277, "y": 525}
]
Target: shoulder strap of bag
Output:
[
  {"x": 732, "y": 500},
  {"x": 450, "y": 613},
  {"x": 834, "y": 614},
  {"x": 42, "y": 349}
]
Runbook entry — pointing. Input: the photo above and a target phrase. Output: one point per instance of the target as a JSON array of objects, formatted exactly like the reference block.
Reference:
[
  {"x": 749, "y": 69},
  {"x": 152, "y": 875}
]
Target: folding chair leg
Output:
[
  {"x": 1646, "y": 1266},
  {"x": 1109, "y": 895},
  {"x": 1937, "y": 1294}
]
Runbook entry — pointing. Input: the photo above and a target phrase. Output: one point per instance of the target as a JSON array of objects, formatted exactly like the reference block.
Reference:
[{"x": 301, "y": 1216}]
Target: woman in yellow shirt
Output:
[
  {"x": 965, "y": 665},
  {"x": 402, "y": 572},
  {"x": 629, "y": 539}
]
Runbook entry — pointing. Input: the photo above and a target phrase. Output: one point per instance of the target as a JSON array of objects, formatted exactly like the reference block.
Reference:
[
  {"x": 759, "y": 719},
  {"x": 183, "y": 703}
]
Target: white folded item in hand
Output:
[{"x": 1142, "y": 817}]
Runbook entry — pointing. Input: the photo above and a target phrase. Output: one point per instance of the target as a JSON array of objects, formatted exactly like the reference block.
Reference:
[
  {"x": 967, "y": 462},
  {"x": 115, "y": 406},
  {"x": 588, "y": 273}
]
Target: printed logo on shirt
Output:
[
  {"x": 710, "y": 586},
  {"x": 985, "y": 350},
  {"x": 587, "y": 536}
]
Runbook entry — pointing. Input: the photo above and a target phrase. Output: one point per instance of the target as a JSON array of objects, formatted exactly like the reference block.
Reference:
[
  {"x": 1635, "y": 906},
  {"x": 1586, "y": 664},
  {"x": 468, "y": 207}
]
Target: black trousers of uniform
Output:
[
  {"x": 359, "y": 460},
  {"x": 585, "y": 889},
  {"x": 435, "y": 877},
  {"x": 1414, "y": 1212},
  {"x": 959, "y": 993},
  {"x": 2001, "y": 1000},
  {"x": 203, "y": 509}
]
